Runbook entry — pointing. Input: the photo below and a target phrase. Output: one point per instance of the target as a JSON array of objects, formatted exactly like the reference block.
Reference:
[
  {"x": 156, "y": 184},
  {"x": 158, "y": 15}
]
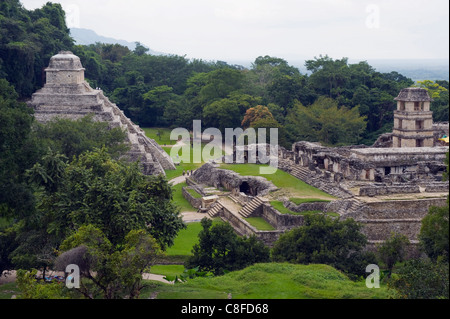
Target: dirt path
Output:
[{"x": 177, "y": 180}]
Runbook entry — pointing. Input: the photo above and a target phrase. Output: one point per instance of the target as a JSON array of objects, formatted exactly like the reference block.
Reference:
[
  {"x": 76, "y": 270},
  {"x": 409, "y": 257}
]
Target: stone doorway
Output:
[{"x": 245, "y": 188}]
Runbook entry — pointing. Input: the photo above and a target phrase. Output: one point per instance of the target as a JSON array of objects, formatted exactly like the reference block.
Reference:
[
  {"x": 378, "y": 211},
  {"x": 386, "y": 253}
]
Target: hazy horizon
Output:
[{"x": 293, "y": 30}]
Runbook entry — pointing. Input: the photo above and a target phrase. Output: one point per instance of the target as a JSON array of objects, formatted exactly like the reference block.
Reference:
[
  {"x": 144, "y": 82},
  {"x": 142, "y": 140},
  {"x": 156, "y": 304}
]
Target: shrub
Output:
[{"x": 220, "y": 250}]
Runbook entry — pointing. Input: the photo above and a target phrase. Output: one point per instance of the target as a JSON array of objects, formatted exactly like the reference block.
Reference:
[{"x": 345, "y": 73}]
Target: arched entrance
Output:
[{"x": 245, "y": 188}]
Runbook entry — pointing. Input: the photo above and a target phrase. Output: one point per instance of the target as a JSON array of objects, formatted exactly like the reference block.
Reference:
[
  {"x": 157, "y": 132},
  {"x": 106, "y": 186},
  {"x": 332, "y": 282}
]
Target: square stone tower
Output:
[{"x": 413, "y": 120}]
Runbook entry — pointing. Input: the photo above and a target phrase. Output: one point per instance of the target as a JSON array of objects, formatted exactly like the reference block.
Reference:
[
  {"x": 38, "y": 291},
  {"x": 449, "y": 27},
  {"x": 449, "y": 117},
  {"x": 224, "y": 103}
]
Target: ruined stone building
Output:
[
  {"x": 66, "y": 94},
  {"x": 389, "y": 186},
  {"x": 410, "y": 153}
]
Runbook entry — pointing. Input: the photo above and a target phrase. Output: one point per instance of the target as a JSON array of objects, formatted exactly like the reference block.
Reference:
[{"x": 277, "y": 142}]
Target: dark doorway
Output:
[
  {"x": 245, "y": 188},
  {"x": 387, "y": 170}
]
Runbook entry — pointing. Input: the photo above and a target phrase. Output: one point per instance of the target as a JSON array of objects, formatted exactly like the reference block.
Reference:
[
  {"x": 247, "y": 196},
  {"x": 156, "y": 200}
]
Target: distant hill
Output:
[
  {"x": 416, "y": 70},
  {"x": 87, "y": 36}
]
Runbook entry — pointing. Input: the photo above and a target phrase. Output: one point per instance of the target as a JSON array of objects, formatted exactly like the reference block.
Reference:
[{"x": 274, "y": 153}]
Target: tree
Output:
[
  {"x": 111, "y": 271},
  {"x": 18, "y": 151},
  {"x": 29, "y": 39},
  {"x": 220, "y": 249},
  {"x": 393, "y": 250},
  {"x": 255, "y": 114},
  {"x": 438, "y": 91},
  {"x": 140, "y": 49},
  {"x": 221, "y": 114},
  {"x": 433, "y": 234},
  {"x": 325, "y": 122},
  {"x": 326, "y": 240},
  {"x": 328, "y": 75},
  {"x": 228, "y": 112},
  {"x": 74, "y": 137},
  {"x": 156, "y": 101},
  {"x": 93, "y": 189},
  {"x": 421, "y": 279},
  {"x": 30, "y": 288}
]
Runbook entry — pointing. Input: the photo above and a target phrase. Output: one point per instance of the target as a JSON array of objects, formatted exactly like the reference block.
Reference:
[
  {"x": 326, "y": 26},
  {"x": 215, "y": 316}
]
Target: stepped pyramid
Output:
[{"x": 67, "y": 95}]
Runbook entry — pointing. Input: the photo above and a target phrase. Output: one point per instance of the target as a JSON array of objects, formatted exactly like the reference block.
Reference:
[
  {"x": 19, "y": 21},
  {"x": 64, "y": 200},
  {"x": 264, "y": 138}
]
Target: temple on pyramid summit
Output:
[{"x": 66, "y": 94}]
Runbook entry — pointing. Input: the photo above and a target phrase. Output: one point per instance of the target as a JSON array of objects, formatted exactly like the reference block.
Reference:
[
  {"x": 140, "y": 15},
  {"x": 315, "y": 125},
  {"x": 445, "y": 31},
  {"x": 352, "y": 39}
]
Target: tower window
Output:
[
  {"x": 416, "y": 106},
  {"x": 419, "y": 125},
  {"x": 419, "y": 143}
]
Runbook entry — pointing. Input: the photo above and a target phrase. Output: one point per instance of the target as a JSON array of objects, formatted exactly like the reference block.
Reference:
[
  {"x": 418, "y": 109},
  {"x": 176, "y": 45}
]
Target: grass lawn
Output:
[
  {"x": 298, "y": 201},
  {"x": 164, "y": 138},
  {"x": 188, "y": 165},
  {"x": 185, "y": 240},
  {"x": 167, "y": 270},
  {"x": 8, "y": 290},
  {"x": 280, "y": 207},
  {"x": 259, "y": 223},
  {"x": 271, "y": 281},
  {"x": 281, "y": 179},
  {"x": 193, "y": 193},
  {"x": 179, "y": 199}
]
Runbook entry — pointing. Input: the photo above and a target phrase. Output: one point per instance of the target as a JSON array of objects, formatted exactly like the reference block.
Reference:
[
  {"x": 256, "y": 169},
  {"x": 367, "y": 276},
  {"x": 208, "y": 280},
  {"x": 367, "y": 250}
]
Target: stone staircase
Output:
[
  {"x": 213, "y": 211},
  {"x": 248, "y": 209},
  {"x": 349, "y": 207},
  {"x": 310, "y": 177},
  {"x": 236, "y": 200}
]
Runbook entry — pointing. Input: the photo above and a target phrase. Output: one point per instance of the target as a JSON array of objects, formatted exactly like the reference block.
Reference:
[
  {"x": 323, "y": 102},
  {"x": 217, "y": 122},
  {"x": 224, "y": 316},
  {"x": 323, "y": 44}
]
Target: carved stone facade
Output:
[
  {"x": 360, "y": 163},
  {"x": 66, "y": 94}
]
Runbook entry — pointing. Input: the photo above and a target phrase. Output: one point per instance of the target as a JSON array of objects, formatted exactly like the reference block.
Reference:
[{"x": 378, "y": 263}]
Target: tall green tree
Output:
[
  {"x": 220, "y": 249},
  {"x": 28, "y": 38},
  {"x": 109, "y": 271},
  {"x": 17, "y": 153},
  {"x": 438, "y": 91},
  {"x": 327, "y": 240},
  {"x": 393, "y": 250},
  {"x": 93, "y": 189},
  {"x": 325, "y": 122},
  {"x": 74, "y": 137}
]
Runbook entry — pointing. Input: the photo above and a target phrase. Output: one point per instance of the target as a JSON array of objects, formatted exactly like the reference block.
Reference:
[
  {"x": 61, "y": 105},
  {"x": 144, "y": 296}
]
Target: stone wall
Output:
[
  {"x": 401, "y": 216},
  {"x": 278, "y": 220},
  {"x": 304, "y": 207},
  {"x": 195, "y": 202},
  {"x": 375, "y": 190},
  {"x": 243, "y": 228},
  {"x": 437, "y": 187}
]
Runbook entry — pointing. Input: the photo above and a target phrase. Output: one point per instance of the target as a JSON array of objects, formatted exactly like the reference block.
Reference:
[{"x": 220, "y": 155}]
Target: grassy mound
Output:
[{"x": 272, "y": 281}]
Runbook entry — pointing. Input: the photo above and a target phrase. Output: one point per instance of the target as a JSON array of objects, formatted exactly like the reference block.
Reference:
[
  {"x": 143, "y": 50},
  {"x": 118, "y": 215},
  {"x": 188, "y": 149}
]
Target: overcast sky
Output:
[{"x": 235, "y": 30}]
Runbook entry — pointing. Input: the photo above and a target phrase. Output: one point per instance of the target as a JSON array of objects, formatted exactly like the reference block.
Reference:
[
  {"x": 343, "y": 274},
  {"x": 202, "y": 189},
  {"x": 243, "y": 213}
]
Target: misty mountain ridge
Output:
[{"x": 87, "y": 36}]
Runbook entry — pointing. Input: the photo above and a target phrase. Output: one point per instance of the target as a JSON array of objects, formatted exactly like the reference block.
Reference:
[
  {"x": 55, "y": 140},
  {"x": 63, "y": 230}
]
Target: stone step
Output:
[
  {"x": 234, "y": 199},
  {"x": 215, "y": 209},
  {"x": 351, "y": 207},
  {"x": 248, "y": 209}
]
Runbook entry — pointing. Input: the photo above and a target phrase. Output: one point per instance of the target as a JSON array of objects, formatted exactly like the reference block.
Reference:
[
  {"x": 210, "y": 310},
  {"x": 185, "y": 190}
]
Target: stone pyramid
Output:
[{"x": 67, "y": 95}]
